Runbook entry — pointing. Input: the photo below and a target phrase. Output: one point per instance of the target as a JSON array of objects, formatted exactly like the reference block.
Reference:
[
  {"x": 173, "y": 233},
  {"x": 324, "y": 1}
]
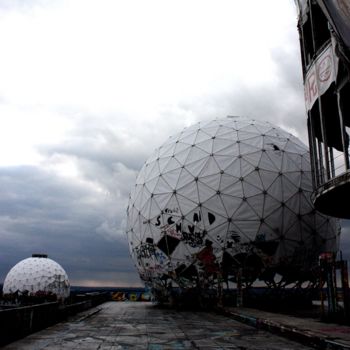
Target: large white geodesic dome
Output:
[
  {"x": 226, "y": 197},
  {"x": 37, "y": 274}
]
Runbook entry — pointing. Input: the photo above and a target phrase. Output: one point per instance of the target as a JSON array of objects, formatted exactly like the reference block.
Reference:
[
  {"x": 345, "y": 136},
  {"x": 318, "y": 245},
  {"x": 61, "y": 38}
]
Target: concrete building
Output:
[{"x": 324, "y": 28}]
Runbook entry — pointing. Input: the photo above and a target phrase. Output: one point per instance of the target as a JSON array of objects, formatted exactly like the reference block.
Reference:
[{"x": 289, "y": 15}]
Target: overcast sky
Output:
[{"x": 88, "y": 89}]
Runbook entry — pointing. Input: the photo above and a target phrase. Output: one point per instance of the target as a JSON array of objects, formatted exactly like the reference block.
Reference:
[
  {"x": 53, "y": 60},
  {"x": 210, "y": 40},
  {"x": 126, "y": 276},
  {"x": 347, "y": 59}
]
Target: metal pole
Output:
[
  {"x": 322, "y": 118},
  {"x": 343, "y": 132},
  {"x": 239, "y": 301}
]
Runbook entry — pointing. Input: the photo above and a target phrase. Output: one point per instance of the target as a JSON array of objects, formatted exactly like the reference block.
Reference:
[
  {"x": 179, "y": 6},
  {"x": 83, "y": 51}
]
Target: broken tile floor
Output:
[{"x": 139, "y": 325}]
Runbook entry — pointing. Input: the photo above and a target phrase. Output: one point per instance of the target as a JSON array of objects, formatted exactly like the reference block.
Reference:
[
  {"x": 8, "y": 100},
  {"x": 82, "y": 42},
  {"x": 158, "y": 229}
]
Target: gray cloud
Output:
[{"x": 41, "y": 212}]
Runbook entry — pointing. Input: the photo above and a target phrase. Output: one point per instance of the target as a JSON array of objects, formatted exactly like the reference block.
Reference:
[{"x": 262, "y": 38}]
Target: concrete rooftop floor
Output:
[{"x": 138, "y": 325}]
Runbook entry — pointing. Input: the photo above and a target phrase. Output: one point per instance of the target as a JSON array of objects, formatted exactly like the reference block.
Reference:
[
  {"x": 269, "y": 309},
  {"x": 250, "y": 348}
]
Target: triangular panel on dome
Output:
[
  {"x": 180, "y": 147},
  {"x": 185, "y": 178},
  {"x": 133, "y": 216},
  {"x": 305, "y": 161},
  {"x": 276, "y": 220},
  {"x": 162, "y": 199},
  {"x": 246, "y": 148},
  {"x": 210, "y": 168},
  {"x": 234, "y": 169},
  {"x": 246, "y": 167},
  {"x": 240, "y": 123},
  {"x": 268, "y": 233},
  {"x": 186, "y": 205},
  {"x": 162, "y": 163},
  {"x": 245, "y": 212},
  {"x": 205, "y": 192},
  {"x": 253, "y": 158},
  {"x": 250, "y": 190},
  {"x": 227, "y": 181},
  {"x": 257, "y": 203},
  {"x": 189, "y": 191},
  {"x": 293, "y": 203},
  {"x": 305, "y": 203},
  {"x": 211, "y": 129},
  {"x": 290, "y": 219},
  {"x": 265, "y": 163},
  {"x": 206, "y": 146},
  {"x": 183, "y": 155},
  {"x": 220, "y": 144},
  {"x": 245, "y": 136},
  {"x": 202, "y": 135},
  {"x": 146, "y": 208},
  {"x": 172, "y": 177},
  {"x": 216, "y": 206},
  {"x": 229, "y": 134},
  {"x": 231, "y": 150},
  {"x": 147, "y": 231},
  {"x": 171, "y": 165},
  {"x": 276, "y": 158},
  {"x": 275, "y": 132},
  {"x": 271, "y": 204},
  {"x": 155, "y": 210},
  {"x": 292, "y": 161},
  {"x": 166, "y": 150},
  {"x": 162, "y": 186},
  {"x": 183, "y": 254},
  {"x": 151, "y": 169},
  {"x": 189, "y": 137},
  {"x": 306, "y": 181},
  {"x": 257, "y": 142},
  {"x": 276, "y": 189},
  {"x": 236, "y": 237},
  {"x": 294, "y": 177},
  {"x": 274, "y": 143},
  {"x": 196, "y": 154},
  {"x": 196, "y": 167},
  {"x": 151, "y": 184},
  {"x": 230, "y": 203},
  {"x": 267, "y": 177},
  {"x": 264, "y": 127},
  {"x": 142, "y": 198},
  {"x": 254, "y": 179},
  {"x": 212, "y": 181},
  {"x": 222, "y": 161},
  {"x": 218, "y": 234},
  {"x": 295, "y": 147},
  {"x": 236, "y": 190},
  {"x": 289, "y": 188},
  {"x": 251, "y": 128},
  {"x": 249, "y": 228}
]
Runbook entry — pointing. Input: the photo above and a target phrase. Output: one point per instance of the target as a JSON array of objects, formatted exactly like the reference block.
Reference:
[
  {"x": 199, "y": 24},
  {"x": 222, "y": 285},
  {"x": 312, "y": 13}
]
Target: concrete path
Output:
[
  {"x": 136, "y": 325},
  {"x": 310, "y": 331}
]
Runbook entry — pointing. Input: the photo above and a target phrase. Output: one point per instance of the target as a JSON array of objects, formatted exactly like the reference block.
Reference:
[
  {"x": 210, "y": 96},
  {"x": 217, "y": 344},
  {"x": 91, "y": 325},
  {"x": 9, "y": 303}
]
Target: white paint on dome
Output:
[{"x": 37, "y": 275}]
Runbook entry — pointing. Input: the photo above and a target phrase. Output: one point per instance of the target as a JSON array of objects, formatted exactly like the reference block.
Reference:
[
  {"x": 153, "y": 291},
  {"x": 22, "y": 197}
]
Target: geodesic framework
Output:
[
  {"x": 223, "y": 198},
  {"x": 36, "y": 274}
]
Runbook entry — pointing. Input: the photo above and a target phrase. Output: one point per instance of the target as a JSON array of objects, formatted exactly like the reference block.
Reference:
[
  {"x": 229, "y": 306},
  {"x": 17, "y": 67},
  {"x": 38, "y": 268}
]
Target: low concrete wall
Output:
[{"x": 18, "y": 322}]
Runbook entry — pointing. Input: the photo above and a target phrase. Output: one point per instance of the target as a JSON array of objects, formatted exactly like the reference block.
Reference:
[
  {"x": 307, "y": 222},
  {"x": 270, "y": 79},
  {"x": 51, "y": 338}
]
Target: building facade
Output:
[{"x": 324, "y": 29}]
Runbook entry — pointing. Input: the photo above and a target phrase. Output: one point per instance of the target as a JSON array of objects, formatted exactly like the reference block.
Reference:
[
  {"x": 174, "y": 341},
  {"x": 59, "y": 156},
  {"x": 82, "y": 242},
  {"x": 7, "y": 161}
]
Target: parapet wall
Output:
[{"x": 16, "y": 323}]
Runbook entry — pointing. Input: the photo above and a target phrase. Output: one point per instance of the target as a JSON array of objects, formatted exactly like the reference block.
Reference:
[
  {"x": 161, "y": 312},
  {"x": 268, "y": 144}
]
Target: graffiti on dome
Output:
[
  {"x": 192, "y": 234},
  {"x": 145, "y": 251}
]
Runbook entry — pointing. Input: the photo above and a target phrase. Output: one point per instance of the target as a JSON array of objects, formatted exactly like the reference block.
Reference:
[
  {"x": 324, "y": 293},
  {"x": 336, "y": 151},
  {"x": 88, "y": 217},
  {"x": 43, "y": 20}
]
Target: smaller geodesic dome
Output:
[{"x": 37, "y": 274}]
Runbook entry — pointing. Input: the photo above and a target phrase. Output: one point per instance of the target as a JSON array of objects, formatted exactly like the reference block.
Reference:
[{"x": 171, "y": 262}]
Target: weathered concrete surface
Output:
[
  {"x": 144, "y": 326},
  {"x": 309, "y": 331}
]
